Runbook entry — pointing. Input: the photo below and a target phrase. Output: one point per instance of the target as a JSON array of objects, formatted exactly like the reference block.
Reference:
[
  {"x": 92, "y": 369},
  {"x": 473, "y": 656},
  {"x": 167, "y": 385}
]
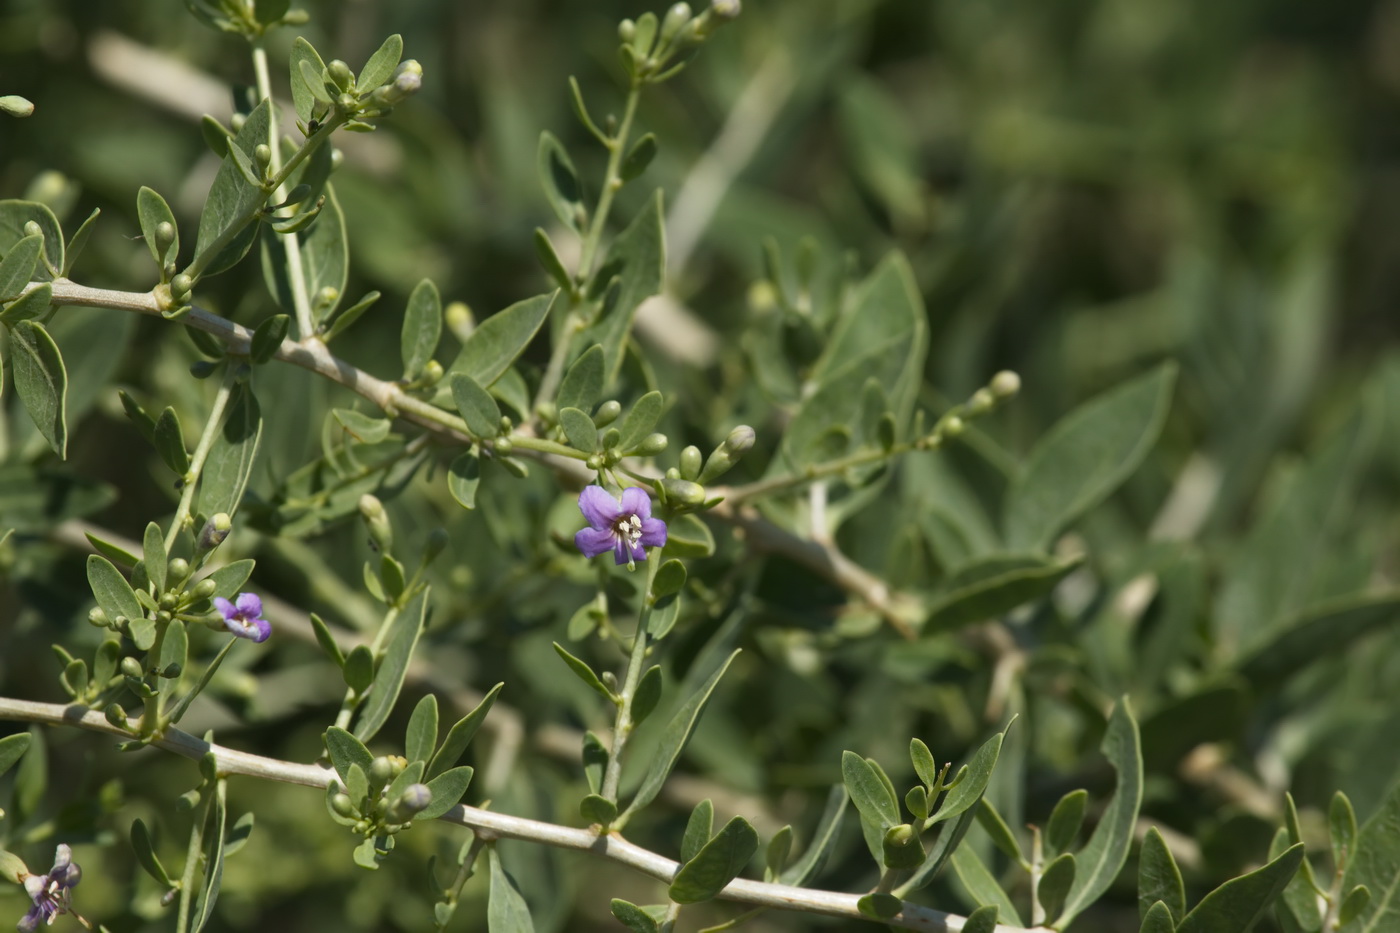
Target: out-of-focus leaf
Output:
[
  {"x": 463, "y": 477},
  {"x": 559, "y": 179},
  {"x": 1238, "y": 903},
  {"x": 11, "y": 748},
  {"x": 633, "y": 917},
  {"x": 1085, "y": 457},
  {"x": 717, "y": 863},
  {"x": 828, "y": 828},
  {"x": 1316, "y": 632},
  {"x": 393, "y": 667},
  {"x": 146, "y": 854},
  {"x": 979, "y": 883},
  {"x": 213, "y": 860},
  {"x": 993, "y": 586},
  {"x": 637, "y": 258}
]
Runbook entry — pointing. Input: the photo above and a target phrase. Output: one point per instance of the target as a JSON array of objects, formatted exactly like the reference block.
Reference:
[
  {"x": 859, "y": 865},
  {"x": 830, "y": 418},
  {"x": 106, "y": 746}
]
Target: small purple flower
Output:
[
  {"x": 626, "y": 529},
  {"x": 50, "y": 892},
  {"x": 244, "y": 617}
]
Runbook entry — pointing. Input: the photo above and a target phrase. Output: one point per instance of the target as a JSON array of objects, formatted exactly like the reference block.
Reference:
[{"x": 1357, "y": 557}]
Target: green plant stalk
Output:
[
  {"x": 622, "y": 727},
  {"x": 208, "y": 675},
  {"x": 612, "y": 183},
  {"x": 291, "y": 244},
  {"x": 212, "y": 427},
  {"x": 352, "y": 701},
  {"x": 464, "y": 873},
  {"x": 1037, "y": 870},
  {"x": 668, "y": 923},
  {"x": 200, "y": 262},
  {"x": 152, "y": 706},
  {"x": 193, "y": 853}
]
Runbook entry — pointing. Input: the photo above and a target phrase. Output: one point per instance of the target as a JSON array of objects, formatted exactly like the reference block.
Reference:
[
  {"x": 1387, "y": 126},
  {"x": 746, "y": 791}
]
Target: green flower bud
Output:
[
  {"x": 377, "y": 521},
  {"x": 97, "y": 617},
  {"x": 594, "y": 461},
  {"x": 726, "y": 9},
  {"x": 171, "y": 671},
  {"x": 204, "y": 588},
  {"x": 165, "y": 235},
  {"x": 32, "y": 228},
  {"x": 981, "y": 402},
  {"x": 739, "y": 442},
  {"x": 611, "y": 438},
  {"x": 340, "y": 73},
  {"x": 607, "y": 413},
  {"x": 1005, "y": 384},
  {"x": 627, "y": 31},
  {"x": 690, "y": 463},
  {"x": 953, "y": 427},
  {"x": 236, "y": 122},
  {"x": 651, "y": 445},
  {"x": 115, "y": 715},
  {"x": 677, "y": 17},
  {"x": 381, "y": 771},
  {"x": 168, "y": 269},
  {"x": 459, "y": 320},
  {"x": 296, "y": 18},
  {"x": 262, "y": 154},
  {"x": 343, "y": 805},
  {"x": 214, "y": 532},
  {"x": 130, "y": 667},
  {"x": 397, "y": 764},
  {"x": 503, "y": 445},
  {"x": 327, "y": 296},
  {"x": 178, "y": 569},
  {"x": 180, "y": 286},
  {"x": 683, "y": 492},
  {"x": 901, "y": 835},
  {"x": 16, "y": 106},
  {"x": 12, "y": 867},
  {"x": 432, "y": 373}
]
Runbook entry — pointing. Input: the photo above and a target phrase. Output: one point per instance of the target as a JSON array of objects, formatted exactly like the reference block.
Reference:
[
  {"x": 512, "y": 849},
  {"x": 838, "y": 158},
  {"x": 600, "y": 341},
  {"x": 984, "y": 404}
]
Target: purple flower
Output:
[
  {"x": 244, "y": 617},
  {"x": 626, "y": 529},
  {"x": 50, "y": 892}
]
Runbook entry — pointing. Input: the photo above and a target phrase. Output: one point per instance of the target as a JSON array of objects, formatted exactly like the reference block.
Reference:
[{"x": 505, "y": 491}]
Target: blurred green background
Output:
[{"x": 1083, "y": 189}]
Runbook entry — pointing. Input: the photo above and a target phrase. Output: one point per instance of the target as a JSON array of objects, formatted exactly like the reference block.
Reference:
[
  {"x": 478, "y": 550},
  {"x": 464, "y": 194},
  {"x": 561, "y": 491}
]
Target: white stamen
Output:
[{"x": 630, "y": 528}]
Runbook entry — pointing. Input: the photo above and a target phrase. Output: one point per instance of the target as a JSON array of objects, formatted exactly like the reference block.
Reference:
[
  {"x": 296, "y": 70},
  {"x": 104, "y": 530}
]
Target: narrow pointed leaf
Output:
[
  {"x": 506, "y": 911},
  {"x": 41, "y": 382},
  {"x": 461, "y": 734},
  {"x": 1236, "y": 905},
  {"x": 717, "y": 863},
  {"x": 393, "y": 667},
  {"x": 1159, "y": 880}
]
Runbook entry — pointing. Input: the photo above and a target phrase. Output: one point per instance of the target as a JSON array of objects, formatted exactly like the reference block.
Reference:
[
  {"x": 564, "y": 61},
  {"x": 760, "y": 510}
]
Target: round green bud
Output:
[
  {"x": 171, "y": 671},
  {"x": 981, "y": 402},
  {"x": 652, "y": 444},
  {"x": 327, "y": 296},
  {"x": 180, "y": 286},
  {"x": 726, "y": 9},
  {"x": 381, "y": 771},
  {"x": 953, "y": 427},
  {"x": 165, "y": 235},
  {"x": 515, "y": 467},
  {"x": 167, "y": 601},
  {"x": 763, "y": 296},
  {"x": 432, "y": 373},
  {"x": 691, "y": 461},
  {"x": 607, "y": 413},
  {"x": 262, "y": 153},
  {"x": 97, "y": 617},
  {"x": 627, "y": 30},
  {"x": 337, "y": 157},
  {"x": 901, "y": 835},
  {"x": 362, "y": 827},
  {"x": 377, "y": 521},
  {"x": 1005, "y": 384},
  {"x": 459, "y": 319},
  {"x": 340, "y": 73},
  {"x": 683, "y": 492},
  {"x": 609, "y": 680},
  {"x": 163, "y": 615},
  {"x": 397, "y": 764},
  {"x": 594, "y": 461},
  {"x": 410, "y": 803},
  {"x": 611, "y": 438},
  {"x": 673, "y": 473},
  {"x": 740, "y": 441},
  {"x": 130, "y": 667},
  {"x": 344, "y": 806},
  {"x": 204, "y": 589},
  {"x": 296, "y": 18},
  {"x": 503, "y": 445},
  {"x": 12, "y": 867},
  {"x": 236, "y": 121},
  {"x": 676, "y": 18},
  {"x": 32, "y": 228},
  {"x": 177, "y": 569},
  {"x": 115, "y": 715},
  {"x": 214, "y": 532}
]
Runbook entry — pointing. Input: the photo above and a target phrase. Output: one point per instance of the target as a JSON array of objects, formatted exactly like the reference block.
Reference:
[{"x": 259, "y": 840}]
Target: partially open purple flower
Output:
[
  {"x": 50, "y": 892},
  {"x": 244, "y": 617},
  {"x": 626, "y": 529}
]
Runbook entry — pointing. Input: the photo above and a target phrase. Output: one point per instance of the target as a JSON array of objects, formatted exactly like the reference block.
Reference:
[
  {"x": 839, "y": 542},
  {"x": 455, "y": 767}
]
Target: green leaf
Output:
[
  {"x": 153, "y": 551},
  {"x": 699, "y": 829},
  {"x": 640, "y": 420},
  {"x": 638, "y": 157},
  {"x": 559, "y": 179},
  {"x": 169, "y": 441},
  {"x": 1316, "y": 632},
  {"x": 421, "y": 737},
  {"x": 13, "y": 217},
  {"x": 982, "y": 920},
  {"x": 647, "y": 695},
  {"x": 268, "y": 337},
  {"x": 550, "y": 261},
  {"x": 17, "y": 270},
  {"x": 41, "y": 381},
  {"x": 448, "y": 788},
  {"x": 461, "y": 734},
  {"x": 595, "y": 759},
  {"x": 478, "y": 409},
  {"x": 1085, "y": 457},
  {"x": 229, "y": 579},
  {"x": 585, "y": 673},
  {"x": 231, "y": 459},
  {"x": 213, "y": 859},
  {"x": 1356, "y": 901},
  {"x": 688, "y": 536},
  {"x": 827, "y": 831},
  {"x": 501, "y": 338},
  {"x": 362, "y": 427},
  {"x": 422, "y": 328},
  {"x": 393, "y": 666},
  {"x": 670, "y": 578},
  {"x": 924, "y": 764},
  {"x": 152, "y": 211},
  {"x": 637, "y": 258},
  {"x": 1055, "y": 883},
  {"x": 1341, "y": 824},
  {"x": 350, "y": 315},
  {"x": 1102, "y": 857},
  {"x": 984, "y": 889},
  {"x": 1157, "y": 919},
  {"x": 633, "y": 917},
  {"x": 232, "y": 198},
  {"x": 346, "y": 750},
  {"x": 1063, "y": 826},
  {"x": 1376, "y": 864},
  {"x": 582, "y": 385},
  {"x": 146, "y": 854},
  {"x": 117, "y": 598},
  {"x": 33, "y": 305},
  {"x": 673, "y": 740},
  {"x": 973, "y": 782},
  {"x": 325, "y": 252},
  {"x": 879, "y": 906},
  {"x": 580, "y": 430},
  {"x": 871, "y": 795},
  {"x": 1001, "y": 835},
  {"x": 12, "y": 748},
  {"x": 359, "y": 668},
  {"x": 463, "y": 477},
  {"x": 237, "y": 837},
  {"x": 1159, "y": 880},
  {"x": 776, "y": 855},
  {"x": 596, "y": 809},
  {"x": 1237, "y": 904},
  {"x": 270, "y": 12},
  {"x": 506, "y": 911},
  {"x": 78, "y": 241},
  {"x": 717, "y": 863},
  {"x": 380, "y": 67},
  {"x": 326, "y": 640},
  {"x": 303, "y": 95}
]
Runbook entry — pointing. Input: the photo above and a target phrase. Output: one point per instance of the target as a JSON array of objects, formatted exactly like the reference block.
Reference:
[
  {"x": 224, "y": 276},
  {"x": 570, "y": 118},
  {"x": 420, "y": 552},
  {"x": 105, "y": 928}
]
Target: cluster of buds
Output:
[
  {"x": 654, "y": 50},
  {"x": 342, "y": 97},
  {"x": 385, "y": 808},
  {"x": 1003, "y": 386}
]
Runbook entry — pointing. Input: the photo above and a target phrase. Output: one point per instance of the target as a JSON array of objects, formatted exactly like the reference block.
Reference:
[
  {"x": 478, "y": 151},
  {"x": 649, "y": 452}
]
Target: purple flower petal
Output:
[
  {"x": 249, "y": 606},
  {"x": 225, "y": 607},
  {"x": 653, "y": 532},
  {"x": 262, "y": 629},
  {"x": 635, "y": 501},
  {"x": 594, "y": 541},
  {"x": 620, "y": 554},
  {"x": 598, "y": 508},
  {"x": 639, "y": 553}
]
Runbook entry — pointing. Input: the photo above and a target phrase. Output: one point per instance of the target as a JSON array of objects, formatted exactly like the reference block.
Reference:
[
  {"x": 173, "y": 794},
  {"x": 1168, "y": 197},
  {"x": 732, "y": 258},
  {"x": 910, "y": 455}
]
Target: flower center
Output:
[{"x": 629, "y": 527}]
